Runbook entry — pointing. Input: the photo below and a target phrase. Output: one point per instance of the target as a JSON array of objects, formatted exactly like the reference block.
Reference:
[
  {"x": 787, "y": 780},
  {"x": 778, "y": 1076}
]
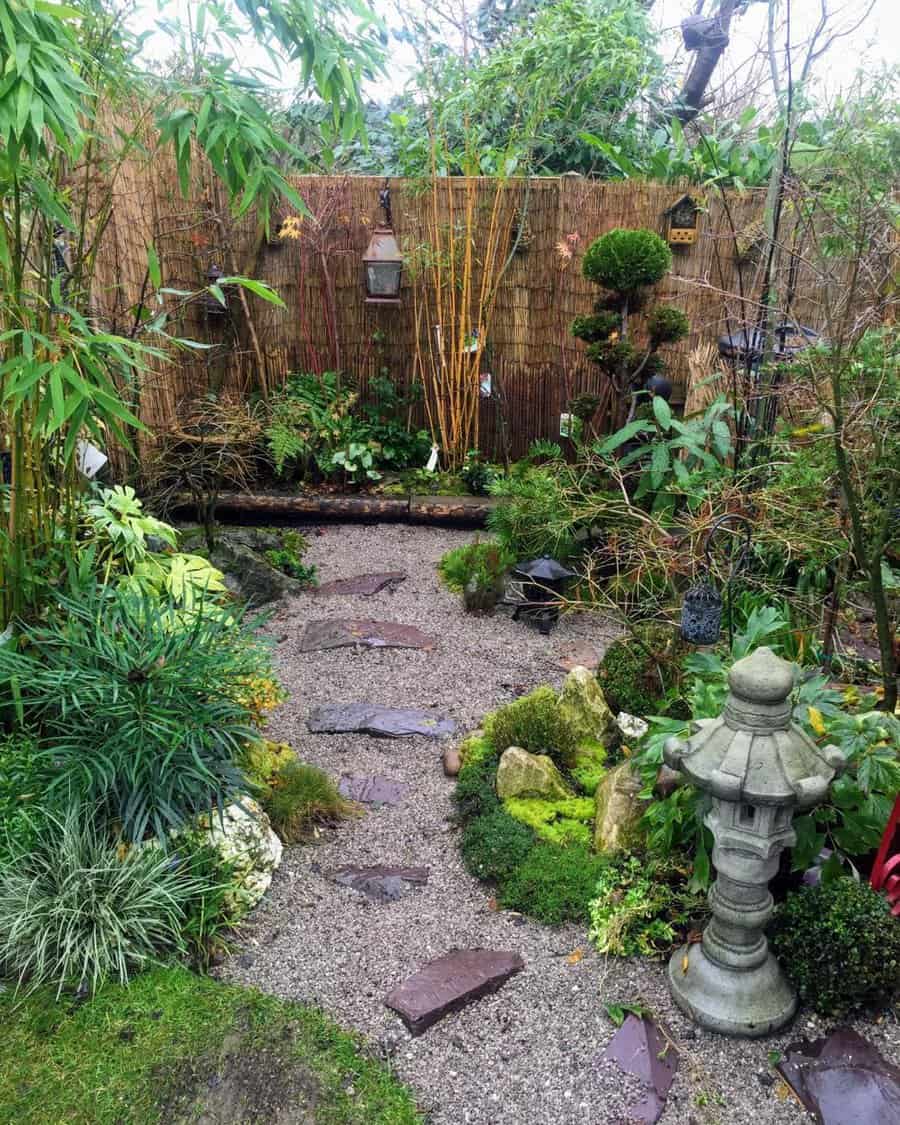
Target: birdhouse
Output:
[{"x": 682, "y": 221}]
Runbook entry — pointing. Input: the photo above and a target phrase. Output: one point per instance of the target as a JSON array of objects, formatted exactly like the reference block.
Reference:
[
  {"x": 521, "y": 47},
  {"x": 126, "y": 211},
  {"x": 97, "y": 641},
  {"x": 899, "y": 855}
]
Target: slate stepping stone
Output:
[
  {"x": 372, "y": 790},
  {"x": 363, "y": 584},
  {"x": 450, "y": 983},
  {"x": 382, "y": 722},
  {"x": 639, "y": 1048},
  {"x": 344, "y": 632},
  {"x": 383, "y": 884}
]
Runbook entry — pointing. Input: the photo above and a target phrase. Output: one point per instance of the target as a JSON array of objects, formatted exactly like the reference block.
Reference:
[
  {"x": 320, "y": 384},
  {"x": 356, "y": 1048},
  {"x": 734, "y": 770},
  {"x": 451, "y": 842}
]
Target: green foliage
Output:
[
  {"x": 288, "y": 558},
  {"x": 667, "y": 325},
  {"x": 117, "y": 522},
  {"x": 588, "y": 775},
  {"x": 596, "y": 326},
  {"x": 612, "y": 355},
  {"x": 638, "y": 905},
  {"x": 482, "y": 565},
  {"x": 309, "y": 420},
  {"x": 637, "y": 671},
  {"x": 300, "y": 798},
  {"x": 544, "y": 450},
  {"x": 840, "y": 946},
  {"x": 563, "y": 822},
  {"x": 136, "y": 707},
  {"x": 536, "y": 724},
  {"x": 627, "y": 260},
  {"x": 494, "y": 845},
  {"x": 23, "y": 810},
  {"x": 475, "y": 793},
  {"x": 143, "y": 1054},
  {"x": 75, "y": 912},
  {"x": 534, "y": 517},
  {"x": 553, "y": 884},
  {"x": 208, "y": 911},
  {"x": 478, "y": 475}
]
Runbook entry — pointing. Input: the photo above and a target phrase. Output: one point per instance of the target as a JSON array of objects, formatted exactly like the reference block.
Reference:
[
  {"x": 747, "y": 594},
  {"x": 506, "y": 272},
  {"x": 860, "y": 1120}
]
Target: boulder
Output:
[
  {"x": 619, "y": 808},
  {"x": 521, "y": 774},
  {"x": 581, "y": 702},
  {"x": 249, "y": 576},
  {"x": 452, "y": 761},
  {"x": 243, "y": 837}
]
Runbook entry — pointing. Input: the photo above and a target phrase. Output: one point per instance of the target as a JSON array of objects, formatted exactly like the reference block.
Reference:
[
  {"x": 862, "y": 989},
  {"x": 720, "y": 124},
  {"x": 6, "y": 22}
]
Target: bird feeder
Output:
[
  {"x": 758, "y": 768},
  {"x": 542, "y": 585},
  {"x": 681, "y": 220},
  {"x": 383, "y": 262}
]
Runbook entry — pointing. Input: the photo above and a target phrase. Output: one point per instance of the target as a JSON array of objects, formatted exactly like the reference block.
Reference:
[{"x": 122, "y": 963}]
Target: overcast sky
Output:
[{"x": 875, "y": 42}]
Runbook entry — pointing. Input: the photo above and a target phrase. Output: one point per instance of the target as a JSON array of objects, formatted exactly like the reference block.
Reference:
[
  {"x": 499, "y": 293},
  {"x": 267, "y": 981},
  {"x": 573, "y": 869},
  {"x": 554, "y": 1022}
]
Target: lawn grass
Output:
[{"x": 175, "y": 1047}]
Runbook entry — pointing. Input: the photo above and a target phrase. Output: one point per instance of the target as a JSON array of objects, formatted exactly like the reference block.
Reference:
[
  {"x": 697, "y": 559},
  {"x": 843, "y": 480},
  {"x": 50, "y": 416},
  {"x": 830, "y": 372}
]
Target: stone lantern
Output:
[{"x": 758, "y": 768}]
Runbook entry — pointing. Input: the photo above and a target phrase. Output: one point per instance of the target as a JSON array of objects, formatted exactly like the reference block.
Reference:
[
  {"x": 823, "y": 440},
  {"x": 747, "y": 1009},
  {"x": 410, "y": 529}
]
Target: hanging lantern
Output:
[
  {"x": 383, "y": 262},
  {"x": 701, "y": 611},
  {"x": 543, "y": 584},
  {"x": 659, "y": 385},
  {"x": 682, "y": 221},
  {"x": 212, "y": 306}
]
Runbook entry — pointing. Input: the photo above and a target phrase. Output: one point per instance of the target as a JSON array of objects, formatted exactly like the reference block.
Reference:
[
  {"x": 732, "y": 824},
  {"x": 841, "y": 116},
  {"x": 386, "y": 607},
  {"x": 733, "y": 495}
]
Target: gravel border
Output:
[{"x": 527, "y": 1054}]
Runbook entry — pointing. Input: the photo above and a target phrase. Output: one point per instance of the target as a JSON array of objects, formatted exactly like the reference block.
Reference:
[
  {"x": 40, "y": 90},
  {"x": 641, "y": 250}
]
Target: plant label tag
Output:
[
  {"x": 89, "y": 459},
  {"x": 432, "y": 460}
]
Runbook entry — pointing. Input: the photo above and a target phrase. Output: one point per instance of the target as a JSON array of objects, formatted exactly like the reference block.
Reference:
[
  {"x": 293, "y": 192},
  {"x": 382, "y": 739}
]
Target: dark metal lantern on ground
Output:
[
  {"x": 701, "y": 612},
  {"x": 542, "y": 584},
  {"x": 383, "y": 262}
]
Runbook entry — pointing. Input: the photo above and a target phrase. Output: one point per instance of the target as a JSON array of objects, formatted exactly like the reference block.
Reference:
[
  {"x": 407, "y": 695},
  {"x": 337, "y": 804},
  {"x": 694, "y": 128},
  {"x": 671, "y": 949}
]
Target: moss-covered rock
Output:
[
  {"x": 474, "y": 747},
  {"x": 619, "y": 809},
  {"x": 536, "y": 723},
  {"x": 558, "y": 822},
  {"x": 584, "y": 708},
  {"x": 521, "y": 774}
]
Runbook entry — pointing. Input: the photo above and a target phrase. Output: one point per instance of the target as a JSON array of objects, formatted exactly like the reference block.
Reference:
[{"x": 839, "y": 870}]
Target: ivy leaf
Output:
[{"x": 810, "y": 842}]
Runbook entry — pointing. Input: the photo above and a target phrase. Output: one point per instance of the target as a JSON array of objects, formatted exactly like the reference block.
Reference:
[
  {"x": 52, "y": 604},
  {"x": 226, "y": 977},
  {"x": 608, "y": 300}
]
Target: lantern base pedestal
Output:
[{"x": 748, "y": 1003}]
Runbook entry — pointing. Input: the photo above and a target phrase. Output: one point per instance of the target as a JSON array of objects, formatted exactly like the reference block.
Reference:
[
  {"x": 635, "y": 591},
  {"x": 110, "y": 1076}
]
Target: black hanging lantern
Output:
[
  {"x": 212, "y": 306},
  {"x": 383, "y": 262},
  {"x": 659, "y": 385},
  {"x": 543, "y": 584},
  {"x": 701, "y": 611}
]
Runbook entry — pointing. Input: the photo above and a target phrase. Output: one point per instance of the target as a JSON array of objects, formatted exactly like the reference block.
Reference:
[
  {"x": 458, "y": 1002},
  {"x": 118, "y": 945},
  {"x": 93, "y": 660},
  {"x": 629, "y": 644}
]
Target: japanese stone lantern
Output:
[{"x": 758, "y": 767}]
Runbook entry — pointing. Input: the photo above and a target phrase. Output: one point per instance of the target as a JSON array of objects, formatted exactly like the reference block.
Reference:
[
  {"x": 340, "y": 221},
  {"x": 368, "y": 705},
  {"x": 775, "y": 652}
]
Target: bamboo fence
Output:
[{"x": 536, "y": 367}]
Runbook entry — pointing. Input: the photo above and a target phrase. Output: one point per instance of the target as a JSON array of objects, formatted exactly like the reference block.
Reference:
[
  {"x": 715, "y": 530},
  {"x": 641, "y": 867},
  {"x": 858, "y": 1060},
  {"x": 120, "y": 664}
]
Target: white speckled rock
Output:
[
  {"x": 631, "y": 726},
  {"x": 243, "y": 836}
]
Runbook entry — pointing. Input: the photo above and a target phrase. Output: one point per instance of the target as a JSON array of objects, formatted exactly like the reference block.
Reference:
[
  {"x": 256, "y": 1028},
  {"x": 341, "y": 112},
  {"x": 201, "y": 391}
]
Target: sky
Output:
[{"x": 875, "y": 42}]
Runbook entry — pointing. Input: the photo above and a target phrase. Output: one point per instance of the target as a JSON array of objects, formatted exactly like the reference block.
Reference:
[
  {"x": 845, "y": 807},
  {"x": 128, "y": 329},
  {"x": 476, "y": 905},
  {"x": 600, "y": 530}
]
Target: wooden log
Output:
[{"x": 451, "y": 511}]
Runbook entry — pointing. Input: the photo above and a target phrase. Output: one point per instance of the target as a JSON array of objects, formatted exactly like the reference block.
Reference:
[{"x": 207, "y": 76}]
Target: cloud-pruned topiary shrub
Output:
[
  {"x": 627, "y": 260},
  {"x": 840, "y": 946}
]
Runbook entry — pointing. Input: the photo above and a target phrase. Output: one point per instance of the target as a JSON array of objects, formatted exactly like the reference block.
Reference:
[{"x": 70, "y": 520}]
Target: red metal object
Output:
[{"x": 886, "y": 869}]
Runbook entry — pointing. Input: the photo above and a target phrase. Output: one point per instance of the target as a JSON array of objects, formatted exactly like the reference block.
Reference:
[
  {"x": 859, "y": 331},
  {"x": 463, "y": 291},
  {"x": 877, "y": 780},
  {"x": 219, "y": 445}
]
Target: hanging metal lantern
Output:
[
  {"x": 383, "y": 262},
  {"x": 659, "y": 385},
  {"x": 701, "y": 611},
  {"x": 212, "y": 306},
  {"x": 542, "y": 586}
]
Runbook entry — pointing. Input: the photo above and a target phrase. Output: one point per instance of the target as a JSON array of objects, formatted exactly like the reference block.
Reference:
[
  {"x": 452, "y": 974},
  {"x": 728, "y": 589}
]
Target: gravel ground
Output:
[{"x": 529, "y": 1053}]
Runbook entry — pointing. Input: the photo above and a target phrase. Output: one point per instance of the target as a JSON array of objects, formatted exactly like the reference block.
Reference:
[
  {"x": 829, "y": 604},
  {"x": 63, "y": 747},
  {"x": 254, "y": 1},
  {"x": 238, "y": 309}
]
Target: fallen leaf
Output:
[
  {"x": 685, "y": 961},
  {"x": 815, "y": 720},
  {"x": 575, "y": 956}
]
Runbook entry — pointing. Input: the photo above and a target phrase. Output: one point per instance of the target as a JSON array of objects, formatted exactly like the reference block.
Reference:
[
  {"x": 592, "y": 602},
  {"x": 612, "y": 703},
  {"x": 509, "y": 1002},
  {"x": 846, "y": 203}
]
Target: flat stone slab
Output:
[
  {"x": 450, "y": 983},
  {"x": 578, "y": 653},
  {"x": 382, "y": 722},
  {"x": 383, "y": 884},
  {"x": 343, "y": 632},
  {"x": 639, "y": 1048},
  {"x": 372, "y": 790},
  {"x": 364, "y": 584}
]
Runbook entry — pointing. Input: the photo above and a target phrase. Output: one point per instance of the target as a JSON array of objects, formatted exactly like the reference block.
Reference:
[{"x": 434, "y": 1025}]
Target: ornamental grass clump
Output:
[
  {"x": 840, "y": 946},
  {"x": 300, "y": 799},
  {"x": 77, "y": 909},
  {"x": 136, "y": 707}
]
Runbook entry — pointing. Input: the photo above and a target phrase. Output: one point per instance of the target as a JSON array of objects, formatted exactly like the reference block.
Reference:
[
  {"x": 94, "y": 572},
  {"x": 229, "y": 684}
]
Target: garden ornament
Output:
[
  {"x": 701, "y": 613},
  {"x": 758, "y": 767}
]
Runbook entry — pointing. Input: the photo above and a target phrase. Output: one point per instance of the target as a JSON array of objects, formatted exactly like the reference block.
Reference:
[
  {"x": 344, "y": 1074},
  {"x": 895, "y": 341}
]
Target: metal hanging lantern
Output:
[
  {"x": 659, "y": 385},
  {"x": 542, "y": 586},
  {"x": 383, "y": 262},
  {"x": 701, "y": 611}
]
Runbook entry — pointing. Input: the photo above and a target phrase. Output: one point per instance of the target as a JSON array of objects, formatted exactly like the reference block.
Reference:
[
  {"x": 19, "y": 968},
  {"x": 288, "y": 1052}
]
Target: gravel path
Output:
[{"x": 528, "y": 1054}]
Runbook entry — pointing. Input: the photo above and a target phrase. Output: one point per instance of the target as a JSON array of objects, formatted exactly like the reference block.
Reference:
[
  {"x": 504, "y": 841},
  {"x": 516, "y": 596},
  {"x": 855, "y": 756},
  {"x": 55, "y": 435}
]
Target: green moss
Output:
[
  {"x": 261, "y": 760},
  {"x": 145, "y": 1054},
  {"x": 494, "y": 845},
  {"x": 558, "y": 822},
  {"x": 535, "y": 723},
  {"x": 588, "y": 777},
  {"x": 475, "y": 793},
  {"x": 553, "y": 885},
  {"x": 475, "y": 749}
]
